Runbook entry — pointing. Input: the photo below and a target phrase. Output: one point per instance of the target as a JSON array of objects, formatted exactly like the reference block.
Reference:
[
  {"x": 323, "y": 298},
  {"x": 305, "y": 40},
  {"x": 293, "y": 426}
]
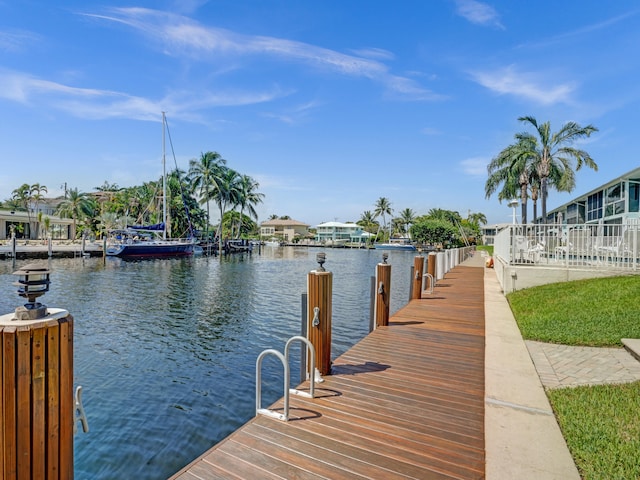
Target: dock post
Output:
[
  {"x": 383, "y": 292},
  {"x": 418, "y": 269},
  {"x": 431, "y": 266},
  {"x": 36, "y": 392},
  {"x": 303, "y": 333},
  {"x": 319, "y": 311}
]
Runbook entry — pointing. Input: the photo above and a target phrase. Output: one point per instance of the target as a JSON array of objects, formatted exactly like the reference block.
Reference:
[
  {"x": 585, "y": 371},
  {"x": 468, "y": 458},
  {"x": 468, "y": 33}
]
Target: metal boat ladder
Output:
[
  {"x": 284, "y": 359},
  {"x": 431, "y": 282}
]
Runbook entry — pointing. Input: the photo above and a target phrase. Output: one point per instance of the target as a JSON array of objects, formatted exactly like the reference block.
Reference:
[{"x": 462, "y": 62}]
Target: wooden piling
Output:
[
  {"x": 418, "y": 269},
  {"x": 319, "y": 312},
  {"x": 383, "y": 294},
  {"x": 36, "y": 397},
  {"x": 431, "y": 266}
]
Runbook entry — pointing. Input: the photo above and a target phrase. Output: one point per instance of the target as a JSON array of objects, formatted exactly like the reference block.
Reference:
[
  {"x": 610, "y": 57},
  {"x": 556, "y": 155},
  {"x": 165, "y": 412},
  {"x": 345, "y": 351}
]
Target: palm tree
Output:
[
  {"x": 29, "y": 197},
  {"x": 36, "y": 196},
  {"x": 383, "y": 207},
  {"x": 202, "y": 175},
  {"x": 21, "y": 197},
  {"x": 109, "y": 221},
  {"x": 477, "y": 218},
  {"x": 446, "y": 215},
  {"x": 555, "y": 150},
  {"x": 368, "y": 222},
  {"x": 75, "y": 206},
  {"x": 224, "y": 194},
  {"x": 248, "y": 197},
  {"x": 513, "y": 168},
  {"x": 407, "y": 217}
]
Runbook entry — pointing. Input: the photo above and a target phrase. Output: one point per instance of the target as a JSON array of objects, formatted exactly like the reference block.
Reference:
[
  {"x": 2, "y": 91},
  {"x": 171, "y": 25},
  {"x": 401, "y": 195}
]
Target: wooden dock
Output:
[{"x": 405, "y": 402}]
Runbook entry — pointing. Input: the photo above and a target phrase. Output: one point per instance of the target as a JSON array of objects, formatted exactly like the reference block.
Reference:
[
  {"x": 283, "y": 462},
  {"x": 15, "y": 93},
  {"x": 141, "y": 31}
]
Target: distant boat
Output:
[
  {"x": 396, "y": 244},
  {"x": 151, "y": 240}
]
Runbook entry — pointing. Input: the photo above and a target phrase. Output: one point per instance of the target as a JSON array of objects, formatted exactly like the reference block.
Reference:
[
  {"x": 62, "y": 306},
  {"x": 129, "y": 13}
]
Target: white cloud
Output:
[
  {"x": 524, "y": 84},
  {"x": 478, "y": 13},
  {"x": 184, "y": 37},
  {"x": 15, "y": 41},
  {"x": 475, "y": 166},
  {"x": 377, "y": 53},
  {"x": 95, "y": 104}
]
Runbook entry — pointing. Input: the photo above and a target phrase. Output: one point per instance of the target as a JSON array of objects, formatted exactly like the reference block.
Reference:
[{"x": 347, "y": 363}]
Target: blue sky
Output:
[{"x": 329, "y": 105}]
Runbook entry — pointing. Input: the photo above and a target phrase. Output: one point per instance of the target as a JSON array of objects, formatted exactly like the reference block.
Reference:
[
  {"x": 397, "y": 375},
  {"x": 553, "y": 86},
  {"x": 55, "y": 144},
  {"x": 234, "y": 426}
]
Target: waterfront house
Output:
[
  {"x": 283, "y": 229},
  {"x": 489, "y": 232},
  {"x": 26, "y": 225},
  {"x": 595, "y": 234},
  {"x": 336, "y": 232},
  {"x": 612, "y": 203}
]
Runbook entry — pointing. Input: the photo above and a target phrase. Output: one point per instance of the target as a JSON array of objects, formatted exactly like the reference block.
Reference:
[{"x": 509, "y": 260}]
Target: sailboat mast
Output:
[{"x": 164, "y": 181}]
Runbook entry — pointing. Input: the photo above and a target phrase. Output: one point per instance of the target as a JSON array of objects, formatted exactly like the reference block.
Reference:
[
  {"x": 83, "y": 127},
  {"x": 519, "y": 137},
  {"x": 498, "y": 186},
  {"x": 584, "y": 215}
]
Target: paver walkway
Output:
[{"x": 566, "y": 366}]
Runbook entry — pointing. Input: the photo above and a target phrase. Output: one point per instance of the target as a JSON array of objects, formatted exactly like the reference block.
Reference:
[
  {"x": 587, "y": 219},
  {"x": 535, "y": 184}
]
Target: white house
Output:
[{"x": 337, "y": 232}]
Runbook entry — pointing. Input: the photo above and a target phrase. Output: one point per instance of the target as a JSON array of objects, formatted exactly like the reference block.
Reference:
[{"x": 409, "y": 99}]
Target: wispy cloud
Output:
[
  {"x": 294, "y": 115},
  {"x": 181, "y": 36},
  {"x": 376, "y": 53},
  {"x": 527, "y": 85},
  {"x": 603, "y": 25},
  {"x": 16, "y": 41},
  {"x": 97, "y": 104},
  {"x": 478, "y": 13},
  {"x": 475, "y": 166}
]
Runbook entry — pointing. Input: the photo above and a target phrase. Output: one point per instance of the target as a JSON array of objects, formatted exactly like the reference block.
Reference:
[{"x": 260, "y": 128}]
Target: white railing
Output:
[{"x": 593, "y": 246}]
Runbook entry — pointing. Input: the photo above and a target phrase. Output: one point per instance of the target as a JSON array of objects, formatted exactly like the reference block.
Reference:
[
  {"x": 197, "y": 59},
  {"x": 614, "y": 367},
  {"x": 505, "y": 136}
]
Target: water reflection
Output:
[{"x": 165, "y": 349}]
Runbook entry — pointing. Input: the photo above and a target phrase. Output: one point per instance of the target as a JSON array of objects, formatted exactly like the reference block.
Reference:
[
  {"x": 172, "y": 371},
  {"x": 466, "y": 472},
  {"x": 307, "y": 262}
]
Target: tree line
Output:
[
  {"x": 438, "y": 226},
  {"x": 209, "y": 180}
]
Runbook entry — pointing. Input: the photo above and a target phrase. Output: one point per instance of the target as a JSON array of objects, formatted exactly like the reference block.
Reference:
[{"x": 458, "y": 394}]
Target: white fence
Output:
[{"x": 592, "y": 246}]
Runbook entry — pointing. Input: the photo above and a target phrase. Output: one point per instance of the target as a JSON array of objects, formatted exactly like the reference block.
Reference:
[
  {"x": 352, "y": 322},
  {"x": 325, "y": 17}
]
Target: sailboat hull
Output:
[{"x": 151, "y": 249}]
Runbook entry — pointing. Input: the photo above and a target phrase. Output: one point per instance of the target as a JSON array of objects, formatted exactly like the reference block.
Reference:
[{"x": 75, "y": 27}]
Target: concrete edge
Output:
[
  {"x": 522, "y": 437},
  {"x": 632, "y": 345}
]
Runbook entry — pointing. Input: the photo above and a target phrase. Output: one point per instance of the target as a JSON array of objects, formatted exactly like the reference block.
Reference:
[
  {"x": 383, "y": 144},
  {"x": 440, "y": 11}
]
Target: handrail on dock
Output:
[
  {"x": 431, "y": 282},
  {"x": 285, "y": 364},
  {"x": 284, "y": 359}
]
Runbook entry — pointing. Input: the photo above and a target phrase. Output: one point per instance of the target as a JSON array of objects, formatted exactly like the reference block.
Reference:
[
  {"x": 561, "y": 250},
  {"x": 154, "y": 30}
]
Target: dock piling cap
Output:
[
  {"x": 33, "y": 283},
  {"x": 39, "y": 274},
  {"x": 33, "y": 269}
]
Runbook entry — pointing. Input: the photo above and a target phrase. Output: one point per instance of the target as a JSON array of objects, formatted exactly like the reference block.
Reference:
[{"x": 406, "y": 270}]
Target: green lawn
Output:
[
  {"x": 594, "y": 312},
  {"x": 486, "y": 248},
  {"x": 601, "y": 424}
]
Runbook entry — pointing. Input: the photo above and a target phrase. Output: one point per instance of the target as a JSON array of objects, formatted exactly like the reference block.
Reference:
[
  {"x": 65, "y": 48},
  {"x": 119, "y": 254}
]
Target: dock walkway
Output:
[{"x": 405, "y": 402}]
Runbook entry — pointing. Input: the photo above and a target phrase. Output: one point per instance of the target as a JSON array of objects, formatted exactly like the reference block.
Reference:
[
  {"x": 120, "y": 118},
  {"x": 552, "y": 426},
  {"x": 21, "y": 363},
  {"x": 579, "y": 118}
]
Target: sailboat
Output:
[{"x": 151, "y": 240}]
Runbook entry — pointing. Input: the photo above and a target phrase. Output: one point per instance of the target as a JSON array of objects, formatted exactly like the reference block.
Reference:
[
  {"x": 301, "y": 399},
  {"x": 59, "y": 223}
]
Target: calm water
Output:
[{"x": 165, "y": 350}]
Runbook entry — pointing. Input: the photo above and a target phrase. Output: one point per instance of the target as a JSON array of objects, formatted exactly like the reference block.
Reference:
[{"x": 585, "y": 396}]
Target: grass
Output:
[
  {"x": 595, "y": 312},
  {"x": 601, "y": 424},
  {"x": 601, "y": 427},
  {"x": 486, "y": 248}
]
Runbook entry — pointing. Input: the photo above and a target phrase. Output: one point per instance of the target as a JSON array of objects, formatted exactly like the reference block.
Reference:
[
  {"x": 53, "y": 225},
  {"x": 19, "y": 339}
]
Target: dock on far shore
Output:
[{"x": 40, "y": 249}]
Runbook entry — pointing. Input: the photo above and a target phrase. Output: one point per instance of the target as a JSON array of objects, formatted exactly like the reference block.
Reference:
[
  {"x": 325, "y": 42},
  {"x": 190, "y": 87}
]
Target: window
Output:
[
  {"x": 634, "y": 196},
  {"x": 594, "y": 206},
  {"x": 614, "y": 200}
]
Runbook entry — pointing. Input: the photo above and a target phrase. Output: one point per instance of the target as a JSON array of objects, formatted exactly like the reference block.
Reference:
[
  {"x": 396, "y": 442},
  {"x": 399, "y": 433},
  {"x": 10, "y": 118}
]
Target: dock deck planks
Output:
[{"x": 405, "y": 402}]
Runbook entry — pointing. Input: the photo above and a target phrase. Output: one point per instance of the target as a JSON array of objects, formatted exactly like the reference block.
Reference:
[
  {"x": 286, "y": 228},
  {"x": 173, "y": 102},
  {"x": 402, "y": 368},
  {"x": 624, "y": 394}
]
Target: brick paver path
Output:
[{"x": 566, "y": 366}]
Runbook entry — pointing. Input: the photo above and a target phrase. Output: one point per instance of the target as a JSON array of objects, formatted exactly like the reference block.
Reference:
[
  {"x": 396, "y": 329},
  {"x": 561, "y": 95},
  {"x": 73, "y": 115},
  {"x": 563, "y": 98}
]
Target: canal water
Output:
[{"x": 165, "y": 350}]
